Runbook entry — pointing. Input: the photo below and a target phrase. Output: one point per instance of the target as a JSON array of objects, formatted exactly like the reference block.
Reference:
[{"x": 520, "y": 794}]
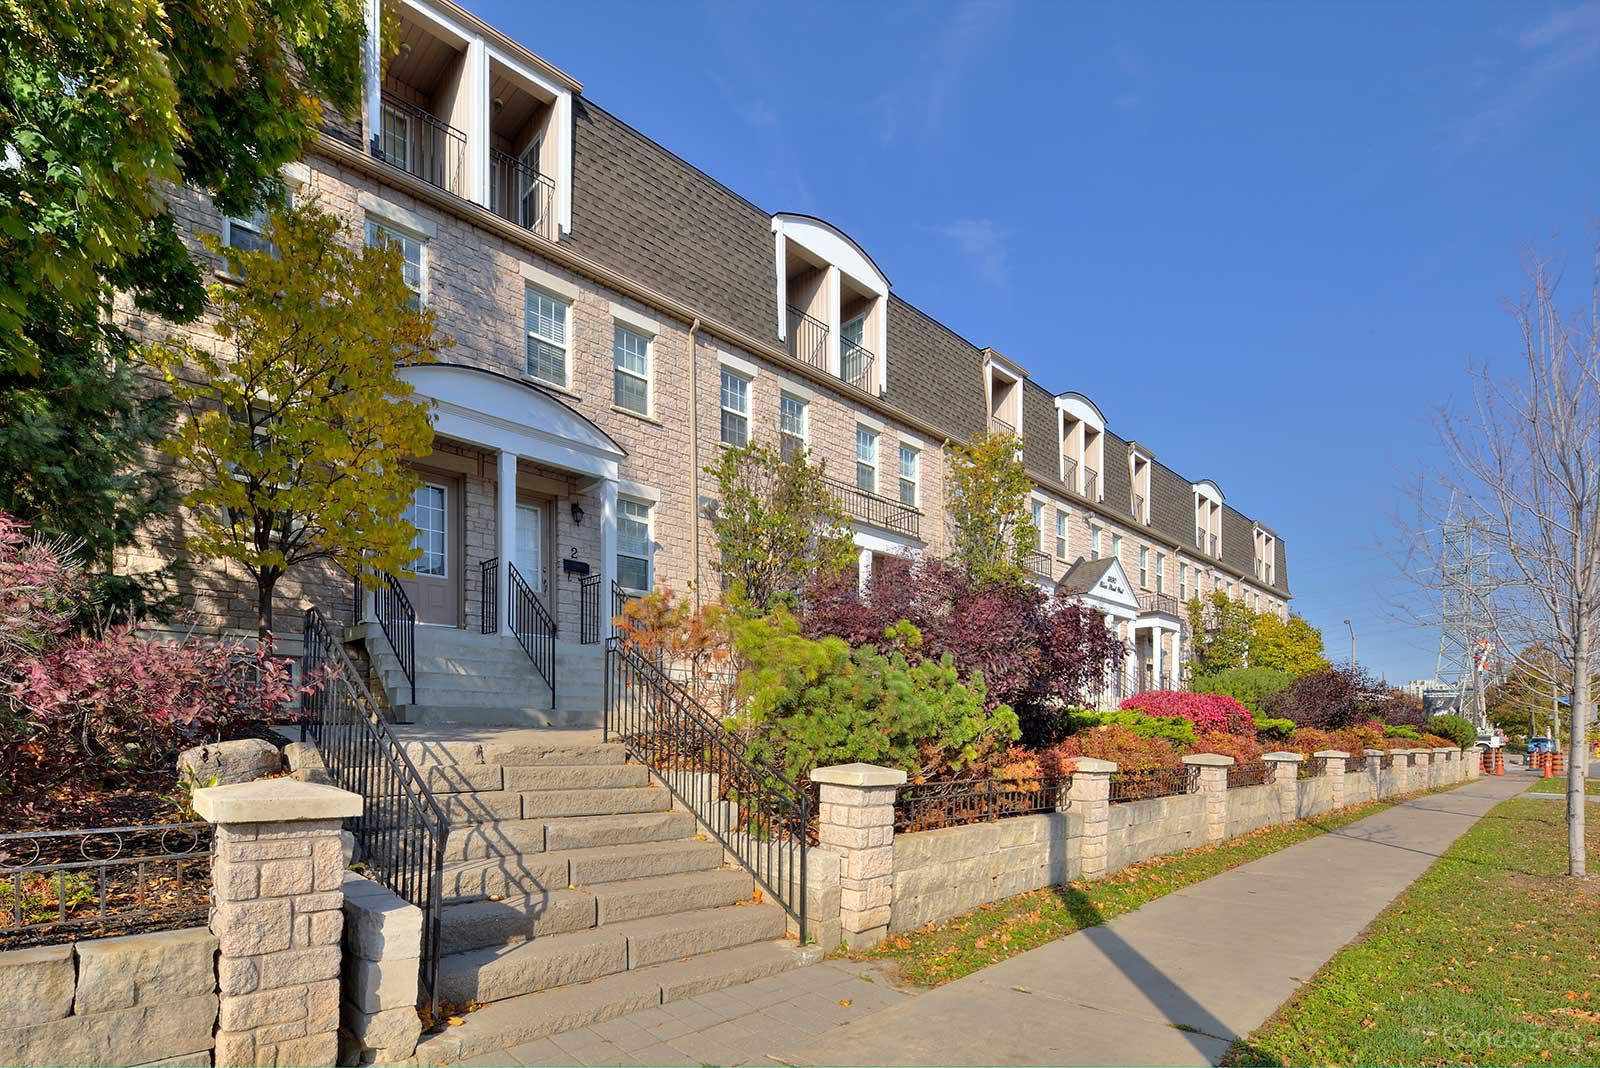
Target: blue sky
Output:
[{"x": 1266, "y": 239}]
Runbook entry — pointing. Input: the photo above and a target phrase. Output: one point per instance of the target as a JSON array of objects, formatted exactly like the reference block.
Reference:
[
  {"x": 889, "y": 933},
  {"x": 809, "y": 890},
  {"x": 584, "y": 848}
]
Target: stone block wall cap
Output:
[
  {"x": 1209, "y": 760},
  {"x": 1374, "y": 752},
  {"x": 858, "y": 775},
  {"x": 1332, "y": 753},
  {"x": 1093, "y": 766},
  {"x": 275, "y": 801},
  {"x": 1444, "y": 749},
  {"x": 1292, "y": 758}
]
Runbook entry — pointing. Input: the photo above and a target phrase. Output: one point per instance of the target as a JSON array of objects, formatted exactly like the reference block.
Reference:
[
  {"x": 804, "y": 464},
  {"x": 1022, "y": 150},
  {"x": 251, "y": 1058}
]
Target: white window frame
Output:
[
  {"x": 562, "y": 344},
  {"x": 1095, "y": 530},
  {"x": 444, "y": 514},
  {"x": 871, "y": 463},
  {"x": 743, "y": 415},
  {"x": 376, "y": 224},
  {"x": 915, "y": 480},
  {"x": 1062, "y": 518},
  {"x": 1037, "y": 507},
  {"x": 1144, "y": 567},
  {"x": 804, "y": 407},
  {"x": 649, "y": 558},
  {"x": 1161, "y": 572},
  {"x": 256, "y": 225},
  {"x": 1183, "y": 581},
  {"x": 647, "y": 379},
  {"x": 1116, "y": 546}
]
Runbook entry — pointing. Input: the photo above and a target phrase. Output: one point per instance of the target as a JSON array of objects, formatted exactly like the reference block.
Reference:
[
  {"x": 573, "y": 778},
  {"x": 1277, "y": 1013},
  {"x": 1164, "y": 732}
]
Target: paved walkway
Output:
[{"x": 1168, "y": 984}]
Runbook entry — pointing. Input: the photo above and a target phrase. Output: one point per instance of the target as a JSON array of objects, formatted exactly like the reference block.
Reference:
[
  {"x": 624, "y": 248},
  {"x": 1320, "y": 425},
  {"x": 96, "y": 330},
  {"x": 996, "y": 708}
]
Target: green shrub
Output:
[
  {"x": 1249, "y": 686},
  {"x": 811, "y": 703},
  {"x": 1175, "y": 729},
  {"x": 1400, "y": 730},
  {"x": 1458, "y": 729},
  {"x": 1277, "y": 730}
]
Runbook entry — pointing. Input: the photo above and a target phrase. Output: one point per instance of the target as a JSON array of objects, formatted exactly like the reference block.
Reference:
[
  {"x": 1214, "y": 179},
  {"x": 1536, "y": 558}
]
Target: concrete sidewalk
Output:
[{"x": 1174, "y": 981}]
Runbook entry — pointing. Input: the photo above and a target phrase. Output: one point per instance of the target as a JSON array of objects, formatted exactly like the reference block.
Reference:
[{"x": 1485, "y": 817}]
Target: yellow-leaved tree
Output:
[
  {"x": 296, "y": 426},
  {"x": 991, "y": 526}
]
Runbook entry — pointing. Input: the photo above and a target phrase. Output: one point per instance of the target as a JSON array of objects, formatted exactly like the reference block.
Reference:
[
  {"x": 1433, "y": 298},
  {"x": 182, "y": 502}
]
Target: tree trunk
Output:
[
  {"x": 265, "y": 581},
  {"x": 1578, "y": 755}
]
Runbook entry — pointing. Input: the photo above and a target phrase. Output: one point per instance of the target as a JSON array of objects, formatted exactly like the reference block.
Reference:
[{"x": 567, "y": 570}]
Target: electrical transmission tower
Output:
[{"x": 1465, "y": 644}]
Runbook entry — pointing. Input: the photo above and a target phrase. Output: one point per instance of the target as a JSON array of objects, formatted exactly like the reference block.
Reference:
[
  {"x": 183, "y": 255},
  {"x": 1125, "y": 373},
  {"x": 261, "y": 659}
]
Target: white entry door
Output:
[{"x": 530, "y": 545}]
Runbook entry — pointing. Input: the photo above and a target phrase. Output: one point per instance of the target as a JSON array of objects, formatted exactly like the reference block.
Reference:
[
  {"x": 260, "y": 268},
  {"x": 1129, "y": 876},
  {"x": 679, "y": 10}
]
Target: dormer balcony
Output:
[
  {"x": 422, "y": 145},
  {"x": 808, "y": 339},
  {"x": 519, "y": 193},
  {"x": 1003, "y": 427},
  {"x": 1040, "y": 564},
  {"x": 1091, "y": 483},
  {"x": 856, "y": 365}
]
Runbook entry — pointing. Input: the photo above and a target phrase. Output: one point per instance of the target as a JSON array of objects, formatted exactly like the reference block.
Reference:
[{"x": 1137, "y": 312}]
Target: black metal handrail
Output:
[
  {"x": 97, "y": 881},
  {"x": 489, "y": 596},
  {"x": 1156, "y": 782},
  {"x": 430, "y": 148},
  {"x": 931, "y": 805},
  {"x": 1091, "y": 481},
  {"x": 400, "y": 834},
  {"x": 619, "y": 600},
  {"x": 1039, "y": 563},
  {"x": 1069, "y": 472},
  {"x": 855, "y": 365},
  {"x": 589, "y": 610},
  {"x": 521, "y": 194},
  {"x": 757, "y": 815},
  {"x": 533, "y": 627},
  {"x": 808, "y": 339},
  {"x": 1159, "y": 602},
  {"x": 1138, "y": 507},
  {"x": 1249, "y": 773},
  {"x": 398, "y": 621},
  {"x": 880, "y": 511}
]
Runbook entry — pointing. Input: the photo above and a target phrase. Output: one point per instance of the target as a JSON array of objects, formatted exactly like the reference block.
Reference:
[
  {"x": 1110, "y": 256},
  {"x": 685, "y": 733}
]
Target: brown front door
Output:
[{"x": 434, "y": 589}]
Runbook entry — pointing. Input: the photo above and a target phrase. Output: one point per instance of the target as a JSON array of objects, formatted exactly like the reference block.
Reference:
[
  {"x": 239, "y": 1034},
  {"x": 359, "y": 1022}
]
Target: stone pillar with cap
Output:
[
  {"x": 1089, "y": 796},
  {"x": 277, "y": 865},
  {"x": 1333, "y": 761},
  {"x": 1213, "y": 786},
  {"x": 856, "y": 821},
  {"x": 1285, "y": 779},
  {"x": 1375, "y": 770}
]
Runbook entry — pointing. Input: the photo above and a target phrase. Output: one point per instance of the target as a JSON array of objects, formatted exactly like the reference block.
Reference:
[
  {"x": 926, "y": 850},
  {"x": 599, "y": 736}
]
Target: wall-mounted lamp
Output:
[{"x": 577, "y": 514}]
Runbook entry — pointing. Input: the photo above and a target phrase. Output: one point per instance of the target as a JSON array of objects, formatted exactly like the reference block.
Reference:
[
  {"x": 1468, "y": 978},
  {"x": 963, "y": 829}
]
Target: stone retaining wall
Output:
[
  {"x": 1359, "y": 787},
  {"x": 139, "y": 999},
  {"x": 956, "y": 869},
  {"x": 1315, "y": 797},
  {"x": 1251, "y": 808},
  {"x": 1143, "y": 829}
]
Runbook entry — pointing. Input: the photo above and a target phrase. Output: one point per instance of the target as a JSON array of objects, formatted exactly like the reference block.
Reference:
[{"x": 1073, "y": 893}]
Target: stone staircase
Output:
[
  {"x": 469, "y": 679},
  {"x": 575, "y": 892}
]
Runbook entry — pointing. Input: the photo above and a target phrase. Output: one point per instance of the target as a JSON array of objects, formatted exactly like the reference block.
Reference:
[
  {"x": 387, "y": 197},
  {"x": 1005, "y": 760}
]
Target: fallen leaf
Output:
[{"x": 844, "y": 1003}]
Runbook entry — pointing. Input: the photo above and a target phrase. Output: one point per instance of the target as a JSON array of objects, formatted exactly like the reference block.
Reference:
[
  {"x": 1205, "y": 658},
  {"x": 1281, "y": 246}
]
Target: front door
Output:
[
  {"x": 433, "y": 588},
  {"x": 530, "y": 553}
]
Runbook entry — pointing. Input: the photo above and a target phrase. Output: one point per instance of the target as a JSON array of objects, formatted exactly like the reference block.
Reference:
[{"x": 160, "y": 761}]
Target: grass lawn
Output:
[
  {"x": 940, "y": 952},
  {"x": 1491, "y": 957},
  {"x": 1558, "y": 785}
]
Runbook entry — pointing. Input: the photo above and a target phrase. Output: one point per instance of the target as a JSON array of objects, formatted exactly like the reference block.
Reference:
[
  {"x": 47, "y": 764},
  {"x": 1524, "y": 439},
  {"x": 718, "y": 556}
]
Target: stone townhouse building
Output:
[{"x": 619, "y": 316}]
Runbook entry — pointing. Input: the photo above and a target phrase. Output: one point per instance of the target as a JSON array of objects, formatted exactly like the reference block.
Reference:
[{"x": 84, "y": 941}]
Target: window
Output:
[
  {"x": 633, "y": 545},
  {"x": 866, "y": 460},
  {"x": 248, "y": 234},
  {"x": 791, "y": 426},
  {"x": 545, "y": 319},
  {"x": 1144, "y": 567},
  {"x": 426, "y": 513},
  {"x": 395, "y": 141},
  {"x": 410, "y": 248},
  {"x": 1038, "y": 522},
  {"x": 910, "y": 457},
  {"x": 1161, "y": 572},
  {"x": 630, "y": 352},
  {"x": 1094, "y": 541},
  {"x": 1116, "y": 546},
  {"x": 1061, "y": 534},
  {"x": 735, "y": 409},
  {"x": 1183, "y": 581}
]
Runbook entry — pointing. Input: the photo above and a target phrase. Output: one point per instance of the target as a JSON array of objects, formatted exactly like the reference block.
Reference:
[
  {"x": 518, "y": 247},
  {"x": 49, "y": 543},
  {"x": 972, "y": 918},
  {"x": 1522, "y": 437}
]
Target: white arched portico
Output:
[
  {"x": 522, "y": 422},
  {"x": 1103, "y": 586}
]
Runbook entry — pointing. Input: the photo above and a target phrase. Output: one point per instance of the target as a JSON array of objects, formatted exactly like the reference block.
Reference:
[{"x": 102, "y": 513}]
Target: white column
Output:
[
  {"x": 506, "y": 528},
  {"x": 831, "y": 288},
  {"x": 1156, "y": 636},
  {"x": 863, "y": 568},
  {"x": 372, "y": 70},
  {"x": 608, "y": 551},
  {"x": 475, "y": 81}
]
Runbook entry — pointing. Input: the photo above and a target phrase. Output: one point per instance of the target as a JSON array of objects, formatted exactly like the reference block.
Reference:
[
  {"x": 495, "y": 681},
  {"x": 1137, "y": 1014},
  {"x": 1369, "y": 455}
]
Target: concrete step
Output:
[
  {"x": 480, "y": 924},
  {"x": 443, "y": 716},
  {"x": 465, "y": 778},
  {"x": 519, "y": 749},
  {"x": 523, "y": 874},
  {"x": 661, "y": 895},
  {"x": 484, "y": 806},
  {"x": 516, "y": 1020},
  {"x": 510, "y": 838},
  {"x": 500, "y": 972}
]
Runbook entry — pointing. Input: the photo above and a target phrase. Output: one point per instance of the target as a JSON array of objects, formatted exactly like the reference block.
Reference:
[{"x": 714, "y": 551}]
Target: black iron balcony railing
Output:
[
  {"x": 521, "y": 194},
  {"x": 878, "y": 511},
  {"x": 1138, "y": 507},
  {"x": 1163, "y": 603},
  {"x": 422, "y": 145},
  {"x": 808, "y": 339},
  {"x": 1040, "y": 564},
  {"x": 1091, "y": 483},
  {"x": 1069, "y": 471},
  {"x": 998, "y": 425},
  {"x": 1200, "y": 538},
  {"x": 1214, "y": 549},
  {"x": 855, "y": 365}
]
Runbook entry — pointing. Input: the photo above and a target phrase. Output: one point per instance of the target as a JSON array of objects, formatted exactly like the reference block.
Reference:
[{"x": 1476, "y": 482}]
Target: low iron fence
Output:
[
  {"x": 1249, "y": 773},
  {"x": 930, "y": 806},
  {"x": 1158, "y": 782},
  {"x": 1356, "y": 762},
  {"x": 1312, "y": 767},
  {"x": 60, "y": 886}
]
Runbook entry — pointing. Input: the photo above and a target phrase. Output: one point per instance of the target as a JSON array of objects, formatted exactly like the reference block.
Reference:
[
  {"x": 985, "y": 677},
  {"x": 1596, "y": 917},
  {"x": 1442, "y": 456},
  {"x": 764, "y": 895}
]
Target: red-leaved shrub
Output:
[
  {"x": 1241, "y": 747},
  {"x": 1132, "y": 752},
  {"x": 1207, "y": 711}
]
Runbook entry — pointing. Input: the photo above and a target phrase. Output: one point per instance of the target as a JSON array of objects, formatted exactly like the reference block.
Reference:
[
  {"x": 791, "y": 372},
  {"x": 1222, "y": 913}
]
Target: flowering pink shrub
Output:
[
  {"x": 98, "y": 708},
  {"x": 1208, "y": 711}
]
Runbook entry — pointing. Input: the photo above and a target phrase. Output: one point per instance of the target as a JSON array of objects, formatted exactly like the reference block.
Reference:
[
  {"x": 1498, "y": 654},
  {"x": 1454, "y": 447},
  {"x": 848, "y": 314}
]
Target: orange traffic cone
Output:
[
  {"x": 1499, "y": 762},
  {"x": 1545, "y": 767}
]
